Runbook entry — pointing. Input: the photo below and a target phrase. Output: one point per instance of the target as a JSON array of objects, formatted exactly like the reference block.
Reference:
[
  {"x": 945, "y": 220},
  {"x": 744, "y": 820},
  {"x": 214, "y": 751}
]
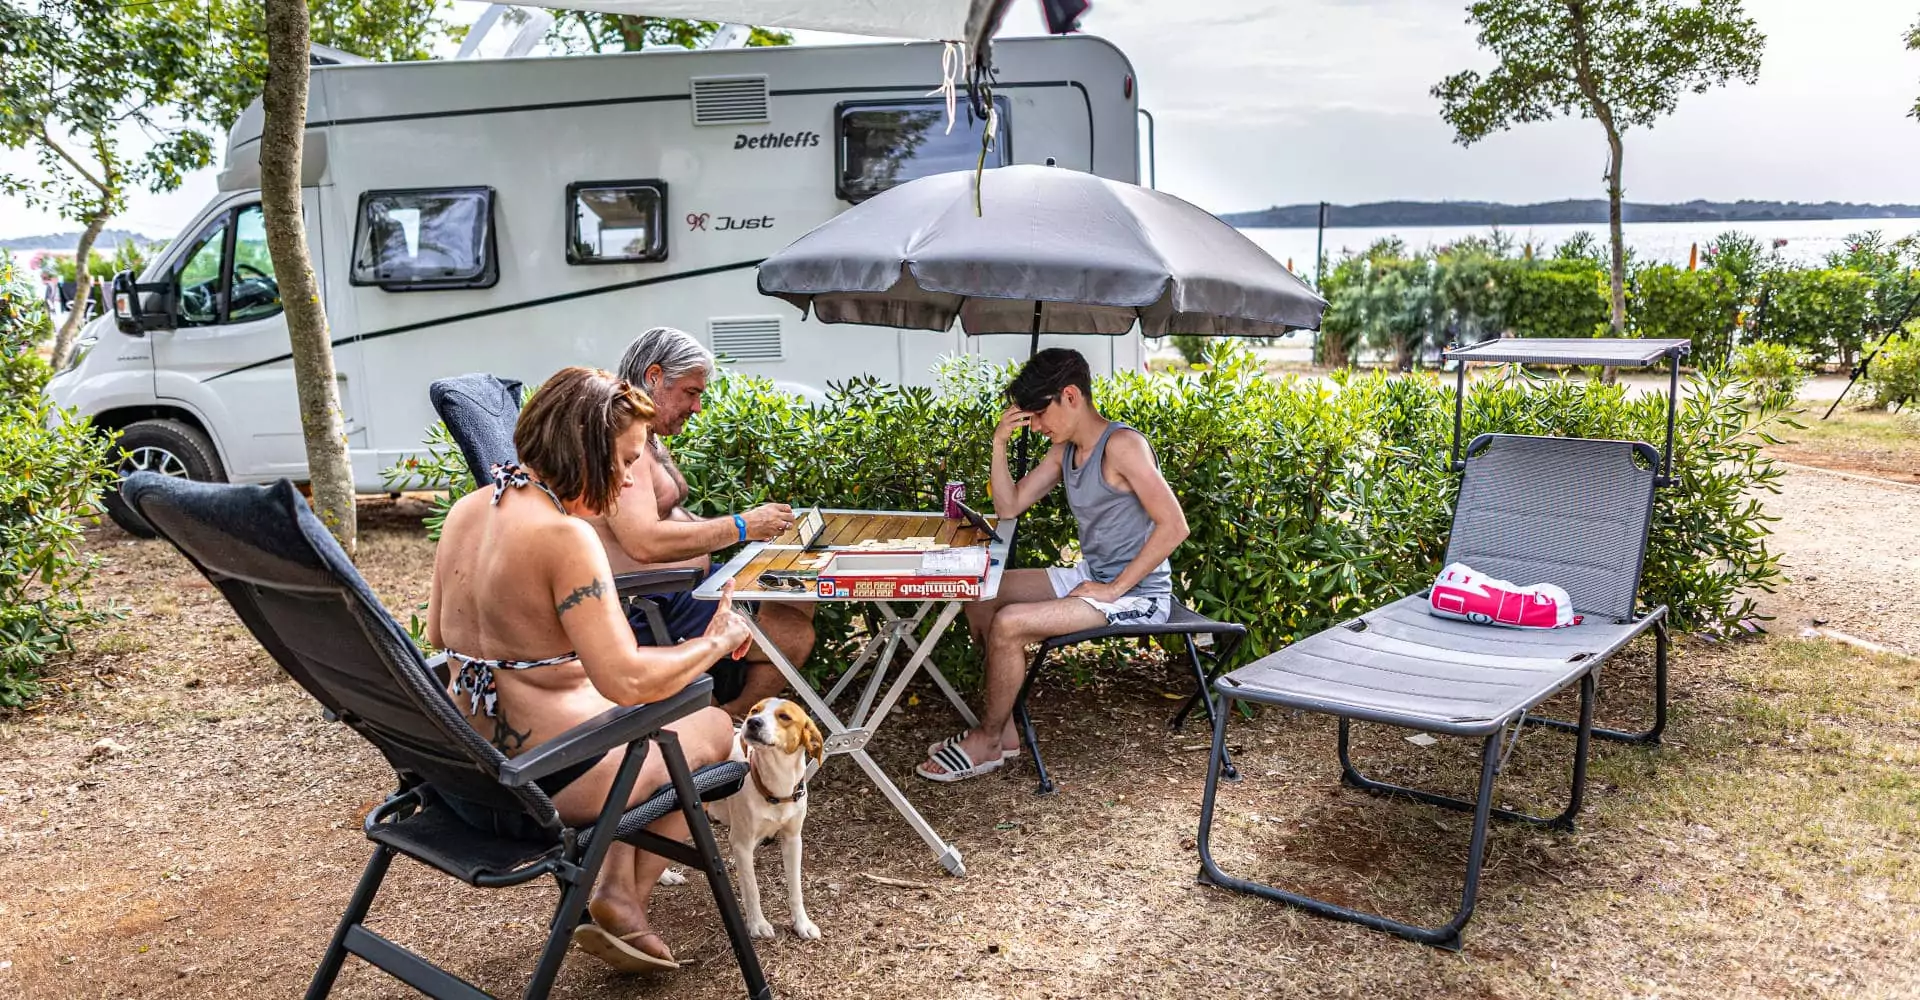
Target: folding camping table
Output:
[{"x": 845, "y": 529}]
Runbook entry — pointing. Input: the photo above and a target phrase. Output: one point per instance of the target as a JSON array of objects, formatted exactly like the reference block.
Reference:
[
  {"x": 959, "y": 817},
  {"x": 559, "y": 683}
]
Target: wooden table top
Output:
[{"x": 844, "y": 529}]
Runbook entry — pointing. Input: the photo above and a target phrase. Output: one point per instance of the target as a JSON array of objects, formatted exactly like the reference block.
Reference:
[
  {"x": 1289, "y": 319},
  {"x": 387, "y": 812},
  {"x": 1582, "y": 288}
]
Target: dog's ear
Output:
[{"x": 810, "y": 739}]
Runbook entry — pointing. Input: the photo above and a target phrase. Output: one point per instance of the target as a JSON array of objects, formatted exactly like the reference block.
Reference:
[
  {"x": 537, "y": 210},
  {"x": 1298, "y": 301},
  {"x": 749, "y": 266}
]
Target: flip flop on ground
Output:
[
  {"x": 958, "y": 766},
  {"x": 620, "y": 952},
  {"x": 1007, "y": 753}
]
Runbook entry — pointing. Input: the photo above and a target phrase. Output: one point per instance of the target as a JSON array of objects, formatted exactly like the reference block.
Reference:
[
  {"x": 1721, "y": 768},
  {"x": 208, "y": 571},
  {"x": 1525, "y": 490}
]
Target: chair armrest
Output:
[
  {"x": 437, "y": 663},
  {"x": 613, "y": 728},
  {"x": 655, "y": 581}
]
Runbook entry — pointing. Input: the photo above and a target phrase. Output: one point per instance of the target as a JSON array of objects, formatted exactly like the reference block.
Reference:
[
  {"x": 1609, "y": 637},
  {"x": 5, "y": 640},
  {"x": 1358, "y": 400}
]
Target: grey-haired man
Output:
[{"x": 651, "y": 528}]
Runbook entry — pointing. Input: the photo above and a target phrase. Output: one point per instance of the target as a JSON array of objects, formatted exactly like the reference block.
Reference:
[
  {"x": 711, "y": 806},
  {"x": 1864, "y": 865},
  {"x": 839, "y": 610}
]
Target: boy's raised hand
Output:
[{"x": 1012, "y": 420}]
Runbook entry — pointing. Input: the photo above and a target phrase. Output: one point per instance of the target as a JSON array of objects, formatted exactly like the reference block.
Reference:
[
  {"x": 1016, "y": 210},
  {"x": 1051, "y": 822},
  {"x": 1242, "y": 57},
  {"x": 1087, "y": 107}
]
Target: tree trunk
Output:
[
  {"x": 82, "y": 289},
  {"x": 1619, "y": 279},
  {"x": 281, "y": 138}
]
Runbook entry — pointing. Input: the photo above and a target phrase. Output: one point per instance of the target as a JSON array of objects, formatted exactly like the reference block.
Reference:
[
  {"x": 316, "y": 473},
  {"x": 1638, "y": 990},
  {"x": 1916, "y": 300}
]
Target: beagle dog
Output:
[{"x": 777, "y": 741}]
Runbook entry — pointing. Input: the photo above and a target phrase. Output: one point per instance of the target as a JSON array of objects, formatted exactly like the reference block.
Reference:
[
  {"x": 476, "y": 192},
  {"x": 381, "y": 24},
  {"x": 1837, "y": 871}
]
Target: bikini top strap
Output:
[
  {"x": 507, "y": 474},
  {"x": 475, "y": 679}
]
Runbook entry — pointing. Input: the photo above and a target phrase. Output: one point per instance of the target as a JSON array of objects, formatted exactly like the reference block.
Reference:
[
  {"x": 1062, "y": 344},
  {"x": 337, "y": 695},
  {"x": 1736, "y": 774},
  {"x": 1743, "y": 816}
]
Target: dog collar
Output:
[{"x": 799, "y": 790}]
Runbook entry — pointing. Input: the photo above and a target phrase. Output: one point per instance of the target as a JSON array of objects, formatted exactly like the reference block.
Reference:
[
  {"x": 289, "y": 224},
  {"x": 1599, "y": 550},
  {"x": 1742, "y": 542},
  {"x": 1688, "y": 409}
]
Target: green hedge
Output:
[
  {"x": 1558, "y": 298},
  {"x": 54, "y": 469},
  {"x": 1894, "y": 375},
  {"x": 1404, "y": 304},
  {"x": 1702, "y": 306},
  {"x": 1308, "y": 499},
  {"x": 1821, "y": 312}
]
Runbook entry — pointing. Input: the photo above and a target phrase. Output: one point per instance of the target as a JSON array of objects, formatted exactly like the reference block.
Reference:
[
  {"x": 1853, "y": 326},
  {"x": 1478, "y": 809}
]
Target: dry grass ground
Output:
[
  {"x": 1868, "y": 442},
  {"x": 177, "y": 821}
]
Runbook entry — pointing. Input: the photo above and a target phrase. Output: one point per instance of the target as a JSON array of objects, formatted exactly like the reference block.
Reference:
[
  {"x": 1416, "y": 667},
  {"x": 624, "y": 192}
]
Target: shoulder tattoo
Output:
[{"x": 598, "y": 588}]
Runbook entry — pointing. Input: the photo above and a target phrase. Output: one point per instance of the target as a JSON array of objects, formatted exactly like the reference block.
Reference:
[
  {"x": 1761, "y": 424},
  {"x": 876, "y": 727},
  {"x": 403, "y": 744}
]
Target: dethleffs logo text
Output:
[{"x": 776, "y": 140}]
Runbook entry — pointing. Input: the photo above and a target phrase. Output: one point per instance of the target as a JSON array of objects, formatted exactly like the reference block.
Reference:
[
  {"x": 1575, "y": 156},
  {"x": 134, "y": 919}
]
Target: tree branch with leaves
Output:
[
  {"x": 1622, "y": 63},
  {"x": 77, "y": 82},
  {"x": 1913, "y": 45},
  {"x": 592, "y": 31}
]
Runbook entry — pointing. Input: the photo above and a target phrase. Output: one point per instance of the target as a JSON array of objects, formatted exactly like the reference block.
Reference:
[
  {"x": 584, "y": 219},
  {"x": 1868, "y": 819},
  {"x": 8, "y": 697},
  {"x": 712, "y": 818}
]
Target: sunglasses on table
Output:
[{"x": 787, "y": 583}]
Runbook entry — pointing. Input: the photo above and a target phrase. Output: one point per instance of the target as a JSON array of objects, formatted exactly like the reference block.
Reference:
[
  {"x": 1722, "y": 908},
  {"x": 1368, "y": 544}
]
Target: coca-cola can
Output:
[{"x": 953, "y": 494}]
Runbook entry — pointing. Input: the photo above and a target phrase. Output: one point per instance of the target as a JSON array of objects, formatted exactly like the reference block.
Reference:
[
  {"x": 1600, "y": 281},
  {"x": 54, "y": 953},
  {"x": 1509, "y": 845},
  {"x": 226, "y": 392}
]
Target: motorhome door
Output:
[{"x": 227, "y": 356}]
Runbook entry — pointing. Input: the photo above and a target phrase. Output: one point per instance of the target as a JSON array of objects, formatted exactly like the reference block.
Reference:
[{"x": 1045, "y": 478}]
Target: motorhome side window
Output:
[
  {"x": 253, "y": 294},
  {"x": 616, "y": 222},
  {"x": 884, "y": 144},
  {"x": 425, "y": 240},
  {"x": 227, "y": 276},
  {"x": 199, "y": 277}
]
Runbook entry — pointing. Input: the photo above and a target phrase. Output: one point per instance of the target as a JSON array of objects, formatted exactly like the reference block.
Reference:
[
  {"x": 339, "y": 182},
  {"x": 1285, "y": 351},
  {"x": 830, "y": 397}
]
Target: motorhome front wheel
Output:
[{"x": 168, "y": 447}]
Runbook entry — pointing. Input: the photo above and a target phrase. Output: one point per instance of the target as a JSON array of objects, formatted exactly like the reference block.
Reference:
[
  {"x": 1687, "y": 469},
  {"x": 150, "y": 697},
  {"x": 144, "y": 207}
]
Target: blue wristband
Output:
[{"x": 741, "y": 523}]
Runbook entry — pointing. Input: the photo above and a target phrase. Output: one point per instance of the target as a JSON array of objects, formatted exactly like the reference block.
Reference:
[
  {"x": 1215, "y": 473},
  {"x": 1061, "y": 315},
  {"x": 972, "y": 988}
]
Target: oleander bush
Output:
[
  {"x": 1772, "y": 368},
  {"x": 1894, "y": 374},
  {"x": 1405, "y": 305},
  {"x": 1309, "y": 500},
  {"x": 53, "y": 469}
]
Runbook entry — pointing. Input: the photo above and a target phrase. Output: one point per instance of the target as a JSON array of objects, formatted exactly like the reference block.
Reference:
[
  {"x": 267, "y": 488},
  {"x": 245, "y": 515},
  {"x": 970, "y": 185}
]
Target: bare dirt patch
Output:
[
  {"x": 1851, "y": 552},
  {"x": 1867, "y": 442},
  {"x": 178, "y": 821}
]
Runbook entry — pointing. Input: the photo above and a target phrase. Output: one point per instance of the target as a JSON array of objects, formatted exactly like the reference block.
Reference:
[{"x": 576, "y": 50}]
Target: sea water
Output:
[{"x": 1807, "y": 242}]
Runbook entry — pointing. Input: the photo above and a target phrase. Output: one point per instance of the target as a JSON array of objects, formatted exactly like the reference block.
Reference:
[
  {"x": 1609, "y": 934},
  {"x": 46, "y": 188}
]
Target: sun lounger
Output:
[{"x": 1575, "y": 513}]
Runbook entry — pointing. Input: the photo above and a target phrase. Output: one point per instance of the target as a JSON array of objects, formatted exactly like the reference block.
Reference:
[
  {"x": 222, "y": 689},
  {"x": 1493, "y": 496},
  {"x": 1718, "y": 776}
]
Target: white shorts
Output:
[{"x": 1130, "y": 609}]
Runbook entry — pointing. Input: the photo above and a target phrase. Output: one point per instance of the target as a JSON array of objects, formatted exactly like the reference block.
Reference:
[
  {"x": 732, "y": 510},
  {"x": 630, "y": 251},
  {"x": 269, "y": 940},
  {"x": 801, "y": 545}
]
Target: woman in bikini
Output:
[{"x": 523, "y": 602}]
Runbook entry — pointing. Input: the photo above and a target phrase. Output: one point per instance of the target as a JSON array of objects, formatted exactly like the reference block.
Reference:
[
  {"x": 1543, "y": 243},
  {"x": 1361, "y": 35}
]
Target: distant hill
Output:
[
  {"x": 1591, "y": 212},
  {"x": 109, "y": 240}
]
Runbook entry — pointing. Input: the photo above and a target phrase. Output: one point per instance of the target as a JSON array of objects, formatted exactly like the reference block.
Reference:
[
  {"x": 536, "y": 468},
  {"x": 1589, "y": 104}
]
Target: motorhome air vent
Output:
[
  {"x": 729, "y": 100},
  {"x": 746, "y": 338}
]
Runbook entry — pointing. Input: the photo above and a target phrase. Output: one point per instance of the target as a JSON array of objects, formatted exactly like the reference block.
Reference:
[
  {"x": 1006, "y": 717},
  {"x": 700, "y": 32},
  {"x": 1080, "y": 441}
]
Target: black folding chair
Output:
[
  {"x": 1221, "y": 638},
  {"x": 1571, "y": 512},
  {"x": 479, "y": 411},
  {"x": 461, "y": 808}
]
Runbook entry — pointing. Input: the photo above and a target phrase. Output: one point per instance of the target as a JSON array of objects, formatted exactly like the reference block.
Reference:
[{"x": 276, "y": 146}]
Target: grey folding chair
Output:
[
  {"x": 480, "y": 411},
  {"x": 462, "y": 807},
  {"x": 1571, "y": 512}
]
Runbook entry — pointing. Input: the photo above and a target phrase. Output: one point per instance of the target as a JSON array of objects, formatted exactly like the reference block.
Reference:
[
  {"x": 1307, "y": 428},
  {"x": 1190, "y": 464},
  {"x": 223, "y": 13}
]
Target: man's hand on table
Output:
[{"x": 767, "y": 521}]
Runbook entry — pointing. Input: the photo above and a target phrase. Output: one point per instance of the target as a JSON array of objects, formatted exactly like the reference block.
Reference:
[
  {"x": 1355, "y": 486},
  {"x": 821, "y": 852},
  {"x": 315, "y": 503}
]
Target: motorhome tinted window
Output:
[
  {"x": 255, "y": 294},
  {"x": 616, "y": 222},
  {"x": 883, "y": 145},
  {"x": 418, "y": 240},
  {"x": 200, "y": 279}
]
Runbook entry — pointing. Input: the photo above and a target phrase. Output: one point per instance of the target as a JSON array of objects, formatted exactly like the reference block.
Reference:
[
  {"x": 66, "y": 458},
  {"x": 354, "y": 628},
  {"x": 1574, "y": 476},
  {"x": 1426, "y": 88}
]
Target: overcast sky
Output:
[{"x": 1263, "y": 102}]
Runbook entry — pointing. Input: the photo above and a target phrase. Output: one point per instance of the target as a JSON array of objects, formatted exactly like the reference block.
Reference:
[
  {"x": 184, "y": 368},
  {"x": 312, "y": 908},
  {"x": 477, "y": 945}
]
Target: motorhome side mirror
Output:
[{"x": 130, "y": 314}]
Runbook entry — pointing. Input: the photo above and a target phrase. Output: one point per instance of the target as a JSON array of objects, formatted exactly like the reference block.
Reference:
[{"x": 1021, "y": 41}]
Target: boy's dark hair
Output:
[{"x": 1041, "y": 379}]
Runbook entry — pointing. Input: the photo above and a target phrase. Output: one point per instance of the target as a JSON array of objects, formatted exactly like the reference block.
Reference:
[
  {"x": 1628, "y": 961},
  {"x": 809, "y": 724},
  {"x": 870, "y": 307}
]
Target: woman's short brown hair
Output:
[{"x": 565, "y": 434}]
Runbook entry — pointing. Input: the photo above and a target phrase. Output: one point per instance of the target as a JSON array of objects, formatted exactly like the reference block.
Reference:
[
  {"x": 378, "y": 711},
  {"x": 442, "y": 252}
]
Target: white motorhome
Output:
[{"x": 516, "y": 216}]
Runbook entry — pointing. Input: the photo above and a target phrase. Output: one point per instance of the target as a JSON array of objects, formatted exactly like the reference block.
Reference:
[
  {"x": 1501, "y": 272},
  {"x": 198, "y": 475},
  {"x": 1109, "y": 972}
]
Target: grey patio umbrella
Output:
[{"x": 1050, "y": 250}]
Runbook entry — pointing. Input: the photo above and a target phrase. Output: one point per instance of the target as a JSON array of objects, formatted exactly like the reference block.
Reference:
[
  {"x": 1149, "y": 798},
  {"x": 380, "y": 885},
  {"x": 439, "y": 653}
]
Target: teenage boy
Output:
[{"x": 1130, "y": 522}]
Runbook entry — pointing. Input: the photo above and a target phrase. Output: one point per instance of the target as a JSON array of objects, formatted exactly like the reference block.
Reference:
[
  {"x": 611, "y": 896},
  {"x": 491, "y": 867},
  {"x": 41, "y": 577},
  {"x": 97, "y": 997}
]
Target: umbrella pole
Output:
[{"x": 1020, "y": 449}]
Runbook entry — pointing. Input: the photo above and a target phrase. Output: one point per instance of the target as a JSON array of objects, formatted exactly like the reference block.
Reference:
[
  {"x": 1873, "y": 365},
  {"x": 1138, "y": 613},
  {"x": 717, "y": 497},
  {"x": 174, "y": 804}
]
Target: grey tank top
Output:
[{"x": 1113, "y": 525}]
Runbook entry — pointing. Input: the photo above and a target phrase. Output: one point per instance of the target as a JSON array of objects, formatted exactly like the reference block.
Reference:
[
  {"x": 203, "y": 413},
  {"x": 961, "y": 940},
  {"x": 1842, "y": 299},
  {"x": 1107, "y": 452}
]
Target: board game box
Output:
[{"x": 937, "y": 574}]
